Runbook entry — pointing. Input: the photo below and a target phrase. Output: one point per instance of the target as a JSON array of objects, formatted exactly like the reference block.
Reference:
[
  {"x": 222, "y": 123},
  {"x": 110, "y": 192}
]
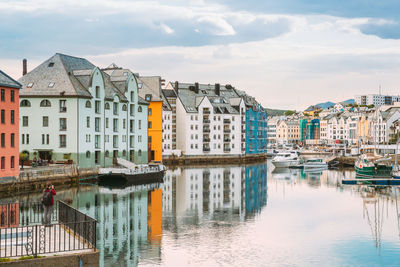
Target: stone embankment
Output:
[{"x": 213, "y": 160}]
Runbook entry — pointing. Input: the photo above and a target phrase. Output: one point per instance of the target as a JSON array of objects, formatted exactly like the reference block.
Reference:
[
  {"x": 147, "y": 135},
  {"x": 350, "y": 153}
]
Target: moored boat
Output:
[
  {"x": 315, "y": 163},
  {"x": 286, "y": 159},
  {"x": 372, "y": 167}
]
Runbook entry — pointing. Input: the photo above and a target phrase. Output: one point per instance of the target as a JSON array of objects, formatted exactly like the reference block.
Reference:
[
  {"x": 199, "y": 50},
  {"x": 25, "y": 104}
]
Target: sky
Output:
[{"x": 288, "y": 54}]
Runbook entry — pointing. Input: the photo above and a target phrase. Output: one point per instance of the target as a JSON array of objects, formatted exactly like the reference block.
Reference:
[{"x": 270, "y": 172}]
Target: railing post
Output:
[{"x": 36, "y": 235}]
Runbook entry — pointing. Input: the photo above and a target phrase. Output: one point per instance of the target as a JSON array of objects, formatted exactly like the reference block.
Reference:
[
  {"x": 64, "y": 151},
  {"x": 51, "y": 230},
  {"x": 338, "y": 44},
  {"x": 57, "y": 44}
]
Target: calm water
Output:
[{"x": 245, "y": 216}]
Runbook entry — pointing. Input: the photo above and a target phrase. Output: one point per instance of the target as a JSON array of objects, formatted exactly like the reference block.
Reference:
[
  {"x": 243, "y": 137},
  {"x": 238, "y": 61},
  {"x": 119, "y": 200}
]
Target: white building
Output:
[
  {"x": 376, "y": 99},
  {"x": 210, "y": 120},
  {"x": 271, "y": 129},
  {"x": 72, "y": 110}
]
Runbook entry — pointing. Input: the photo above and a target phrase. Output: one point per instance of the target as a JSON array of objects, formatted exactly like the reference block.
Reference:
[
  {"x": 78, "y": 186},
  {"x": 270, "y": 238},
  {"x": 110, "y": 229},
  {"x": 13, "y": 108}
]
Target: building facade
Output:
[
  {"x": 376, "y": 99},
  {"x": 9, "y": 126},
  {"x": 70, "y": 110}
]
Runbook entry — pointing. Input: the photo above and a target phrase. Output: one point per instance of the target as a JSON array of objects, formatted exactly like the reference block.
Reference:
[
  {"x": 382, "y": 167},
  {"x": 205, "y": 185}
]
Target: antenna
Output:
[{"x": 379, "y": 89}]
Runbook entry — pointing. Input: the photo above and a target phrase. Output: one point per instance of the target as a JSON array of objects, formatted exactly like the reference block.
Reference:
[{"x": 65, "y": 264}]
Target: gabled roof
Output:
[{"x": 7, "y": 81}]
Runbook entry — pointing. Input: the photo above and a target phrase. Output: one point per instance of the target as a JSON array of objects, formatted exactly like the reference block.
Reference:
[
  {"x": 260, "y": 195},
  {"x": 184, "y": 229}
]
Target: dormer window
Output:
[
  {"x": 139, "y": 85},
  {"x": 29, "y": 85},
  {"x": 51, "y": 64},
  {"x": 51, "y": 84},
  {"x": 148, "y": 97},
  {"x": 125, "y": 73}
]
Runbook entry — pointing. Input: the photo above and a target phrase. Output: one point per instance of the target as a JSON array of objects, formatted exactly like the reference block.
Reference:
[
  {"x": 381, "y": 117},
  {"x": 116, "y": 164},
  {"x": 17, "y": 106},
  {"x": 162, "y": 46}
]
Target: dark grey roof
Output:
[
  {"x": 221, "y": 102},
  {"x": 142, "y": 101},
  {"x": 7, "y": 81},
  {"x": 169, "y": 93}
]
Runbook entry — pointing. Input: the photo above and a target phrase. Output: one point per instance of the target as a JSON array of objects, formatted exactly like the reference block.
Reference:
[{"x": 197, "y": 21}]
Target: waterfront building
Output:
[
  {"x": 256, "y": 125},
  {"x": 381, "y": 123},
  {"x": 71, "y": 110},
  {"x": 288, "y": 131},
  {"x": 271, "y": 129},
  {"x": 9, "y": 126},
  {"x": 149, "y": 89},
  {"x": 376, "y": 99},
  {"x": 210, "y": 119},
  {"x": 309, "y": 131},
  {"x": 169, "y": 123}
]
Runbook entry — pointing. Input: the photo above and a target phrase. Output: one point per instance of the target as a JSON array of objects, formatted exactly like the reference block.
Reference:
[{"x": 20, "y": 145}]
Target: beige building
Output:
[{"x": 288, "y": 132}]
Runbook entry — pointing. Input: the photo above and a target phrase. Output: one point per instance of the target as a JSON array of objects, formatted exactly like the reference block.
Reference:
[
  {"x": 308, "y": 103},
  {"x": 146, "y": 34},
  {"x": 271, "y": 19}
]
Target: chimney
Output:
[
  {"x": 176, "y": 87},
  {"x": 217, "y": 87},
  {"x": 24, "y": 66},
  {"x": 196, "y": 88}
]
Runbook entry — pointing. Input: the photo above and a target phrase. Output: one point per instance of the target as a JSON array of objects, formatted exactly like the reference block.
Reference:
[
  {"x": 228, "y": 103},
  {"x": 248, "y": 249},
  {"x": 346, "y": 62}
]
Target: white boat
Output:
[
  {"x": 286, "y": 159},
  {"x": 315, "y": 163}
]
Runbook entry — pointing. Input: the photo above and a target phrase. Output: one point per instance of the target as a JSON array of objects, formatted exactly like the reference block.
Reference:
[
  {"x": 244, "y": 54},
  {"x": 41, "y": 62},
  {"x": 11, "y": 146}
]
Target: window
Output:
[
  {"x": 3, "y": 163},
  {"x": 97, "y": 141},
  {"x": 124, "y": 123},
  {"x": 3, "y": 95},
  {"x": 51, "y": 64},
  {"x": 97, "y": 108},
  {"x": 51, "y": 84},
  {"x": 97, "y": 92},
  {"x": 107, "y": 105},
  {"x": 47, "y": 139},
  {"x": 139, "y": 138},
  {"x": 107, "y": 123},
  {"x": 139, "y": 109},
  {"x": 12, "y": 140},
  {"x": 115, "y": 108},
  {"x": 12, "y": 118},
  {"x": 150, "y": 111},
  {"x": 87, "y": 122},
  {"x": 12, "y": 162},
  {"x": 12, "y": 96},
  {"x": 124, "y": 107},
  {"x": 45, "y": 103},
  {"x": 132, "y": 96},
  {"x": 115, "y": 125},
  {"x": 45, "y": 121},
  {"x": 97, "y": 124},
  {"x": 63, "y": 107},
  {"x": 132, "y": 109},
  {"x": 139, "y": 152},
  {"x": 149, "y": 139},
  {"x": 147, "y": 97},
  {"x": 3, "y": 116},
  {"x": 3, "y": 140},
  {"x": 87, "y": 154},
  {"x": 25, "y": 103},
  {"x": 115, "y": 141},
  {"x": 30, "y": 85},
  {"x": 43, "y": 139},
  {"x": 88, "y": 104},
  {"x": 63, "y": 140},
  {"x": 24, "y": 121},
  {"x": 27, "y": 139},
  {"x": 63, "y": 124},
  {"x": 150, "y": 125}
]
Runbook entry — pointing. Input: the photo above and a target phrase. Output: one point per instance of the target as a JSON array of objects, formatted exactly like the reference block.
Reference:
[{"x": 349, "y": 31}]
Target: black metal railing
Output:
[{"x": 23, "y": 234}]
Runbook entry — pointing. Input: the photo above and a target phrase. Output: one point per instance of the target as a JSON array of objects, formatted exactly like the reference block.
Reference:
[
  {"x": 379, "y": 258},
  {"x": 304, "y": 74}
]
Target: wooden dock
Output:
[{"x": 395, "y": 182}]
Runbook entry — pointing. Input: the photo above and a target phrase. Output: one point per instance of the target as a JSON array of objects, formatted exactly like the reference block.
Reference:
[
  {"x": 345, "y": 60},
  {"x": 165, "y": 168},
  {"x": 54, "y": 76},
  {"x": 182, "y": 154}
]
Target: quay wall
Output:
[
  {"x": 214, "y": 160},
  {"x": 86, "y": 259}
]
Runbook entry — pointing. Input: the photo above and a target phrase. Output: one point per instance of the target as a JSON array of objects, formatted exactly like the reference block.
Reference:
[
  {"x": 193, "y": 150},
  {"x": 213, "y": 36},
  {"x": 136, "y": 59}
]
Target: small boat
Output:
[
  {"x": 315, "y": 163},
  {"x": 286, "y": 159},
  {"x": 131, "y": 174},
  {"x": 373, "y": 167}
]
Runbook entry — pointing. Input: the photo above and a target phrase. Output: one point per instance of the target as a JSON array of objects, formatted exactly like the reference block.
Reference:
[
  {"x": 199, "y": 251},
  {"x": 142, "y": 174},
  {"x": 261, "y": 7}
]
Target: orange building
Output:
[
  {"x": 9, "y": 126},
  {"x": 151, "y": 92},
  {"x": 154, "y": 213}
]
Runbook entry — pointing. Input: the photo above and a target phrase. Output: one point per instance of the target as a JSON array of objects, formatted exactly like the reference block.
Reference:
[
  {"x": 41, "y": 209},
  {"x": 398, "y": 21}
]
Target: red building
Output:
[{"x": 9, "y": 126}]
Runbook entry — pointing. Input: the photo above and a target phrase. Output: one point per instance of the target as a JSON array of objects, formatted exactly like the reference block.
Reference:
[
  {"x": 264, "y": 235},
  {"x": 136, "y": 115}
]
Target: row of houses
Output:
[
  {"x": 69, "y": 110},
  {"x": 338, "y": 125}
]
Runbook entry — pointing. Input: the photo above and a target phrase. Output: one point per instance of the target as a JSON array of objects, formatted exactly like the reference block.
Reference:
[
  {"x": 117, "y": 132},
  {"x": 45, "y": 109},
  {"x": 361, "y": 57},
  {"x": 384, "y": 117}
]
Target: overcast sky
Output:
[{"x": 286, "y": 53}]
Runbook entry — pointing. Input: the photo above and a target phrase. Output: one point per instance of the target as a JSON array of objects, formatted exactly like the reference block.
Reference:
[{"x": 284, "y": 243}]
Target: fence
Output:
[
  {"x": 71, "y": 231},
  {"x": 46, "y": 172}
]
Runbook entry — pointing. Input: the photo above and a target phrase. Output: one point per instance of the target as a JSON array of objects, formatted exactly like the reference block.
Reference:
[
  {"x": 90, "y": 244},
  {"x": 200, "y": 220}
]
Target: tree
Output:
[{"x": 289, "y": 112}]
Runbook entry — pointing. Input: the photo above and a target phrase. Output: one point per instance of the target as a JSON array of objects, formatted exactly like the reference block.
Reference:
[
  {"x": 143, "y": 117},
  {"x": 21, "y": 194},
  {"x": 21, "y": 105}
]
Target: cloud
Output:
[
  {"x": 166, "y": 28},
  {"x": 382, "y": 28}
]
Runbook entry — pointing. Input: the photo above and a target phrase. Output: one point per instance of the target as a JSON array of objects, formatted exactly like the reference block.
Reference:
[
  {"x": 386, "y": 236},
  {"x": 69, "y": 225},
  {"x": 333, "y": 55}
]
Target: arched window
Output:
[
  {"x": 88, "y": 104},
  {"x": 25, "y": 103},
  {"x": 88, "y": 154},
  {"x": 107, "y": 153},
  {"x": 139, "y": 109},
  {"x": 124, "y": 153},
  {"x": 45, "y": 103},
  {"x": 139, "y": 152},
  {"x": 107, "y": 105},
  {"x": 124, "y": 108}
]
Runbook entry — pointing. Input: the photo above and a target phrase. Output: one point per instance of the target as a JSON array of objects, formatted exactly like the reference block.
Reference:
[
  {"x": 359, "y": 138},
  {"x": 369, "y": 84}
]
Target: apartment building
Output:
[
  {"x": 9, "y": 127},
  {"x": 376, "y": 99},
  {"x": 72, "y": 110}
]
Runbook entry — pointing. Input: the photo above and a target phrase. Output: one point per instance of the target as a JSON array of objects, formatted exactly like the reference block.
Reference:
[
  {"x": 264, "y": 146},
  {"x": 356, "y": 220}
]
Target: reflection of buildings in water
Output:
[
  {"x": 127, "y": 219},
  {"x": 205, "y": 192},
  {"x": 284, "y": 173}
]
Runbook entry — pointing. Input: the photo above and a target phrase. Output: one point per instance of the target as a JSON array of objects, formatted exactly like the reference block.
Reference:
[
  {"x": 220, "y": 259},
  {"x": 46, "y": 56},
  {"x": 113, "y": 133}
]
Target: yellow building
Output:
[
  {"x": 151, "y": 92},
  {"x": 363, "y": 129}
]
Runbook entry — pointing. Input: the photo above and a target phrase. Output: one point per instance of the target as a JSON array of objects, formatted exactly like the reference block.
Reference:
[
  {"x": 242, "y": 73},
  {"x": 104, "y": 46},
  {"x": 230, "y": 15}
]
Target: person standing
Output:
[{"x": 48, "y": 203}]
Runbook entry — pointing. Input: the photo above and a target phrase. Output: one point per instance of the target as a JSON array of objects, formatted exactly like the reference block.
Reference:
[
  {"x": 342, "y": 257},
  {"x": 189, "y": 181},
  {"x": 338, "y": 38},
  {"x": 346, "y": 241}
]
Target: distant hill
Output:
[
  {"x": 275, "y": 112},
  {"x": 349, "y": 101},
  {"x": 326, "y": 105}
]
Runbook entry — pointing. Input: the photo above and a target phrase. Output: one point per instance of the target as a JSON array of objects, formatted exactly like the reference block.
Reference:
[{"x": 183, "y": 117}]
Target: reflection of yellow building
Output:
[
  {"x": 154, "y": 213},
  {"x": 150, "y": 91}
]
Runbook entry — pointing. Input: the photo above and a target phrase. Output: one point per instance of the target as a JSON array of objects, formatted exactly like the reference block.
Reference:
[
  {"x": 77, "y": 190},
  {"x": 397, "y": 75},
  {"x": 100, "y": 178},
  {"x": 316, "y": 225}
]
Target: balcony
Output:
[
  {"x": 227, "y": 139},
  {"x": 243, "y": 139},
  {"x": 206, "y": 111},
  {"x": 227, "y": 149},
  {"x": 206, "y": 149},
  {"x": 227, "y": 130},
  {"x": 206, "y": 121},
  {"x": 243, "y": 130},
  {"x": 206, "y": 130},
  {"x": 206, "y": 140},
  {"x": 227, "y": 121}
]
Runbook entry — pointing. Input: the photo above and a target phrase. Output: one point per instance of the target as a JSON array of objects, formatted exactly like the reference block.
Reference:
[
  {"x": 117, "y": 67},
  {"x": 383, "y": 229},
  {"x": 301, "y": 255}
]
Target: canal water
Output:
[{"x": 250, "y": 215}]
